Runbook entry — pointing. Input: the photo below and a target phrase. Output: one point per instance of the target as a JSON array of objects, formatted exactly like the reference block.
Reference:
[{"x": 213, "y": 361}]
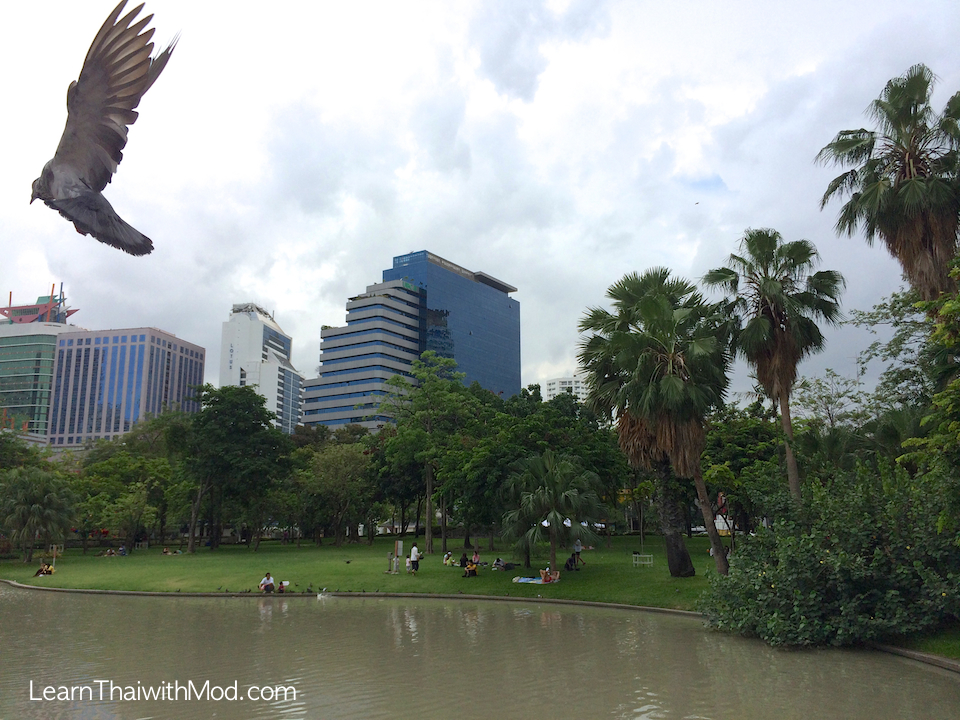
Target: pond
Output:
[{"x": 320, "y": 658}]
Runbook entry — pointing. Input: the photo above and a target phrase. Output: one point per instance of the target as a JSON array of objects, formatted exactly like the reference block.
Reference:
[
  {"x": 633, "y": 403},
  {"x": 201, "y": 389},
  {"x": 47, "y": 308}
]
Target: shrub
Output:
[{"x": 862, "y": 560}]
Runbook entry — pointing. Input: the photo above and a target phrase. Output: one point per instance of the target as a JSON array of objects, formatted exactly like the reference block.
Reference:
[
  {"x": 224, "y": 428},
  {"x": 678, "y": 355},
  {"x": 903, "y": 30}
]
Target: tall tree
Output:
[
  {"x": 903, "y": 185},
  {"x": 341, "y": 484},
  {"x": 554, "y": 497},
  {"x": 659, "y": 365},
  {"x": 429, "y": 410},
  {"x": 232, "y": 449},
  {"x": 34, "y": 503},
  {"x": 776, "y": 300}
]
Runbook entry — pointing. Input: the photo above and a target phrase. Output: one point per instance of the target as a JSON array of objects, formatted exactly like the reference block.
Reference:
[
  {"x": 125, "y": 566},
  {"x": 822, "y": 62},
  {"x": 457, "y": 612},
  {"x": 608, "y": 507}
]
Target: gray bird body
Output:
[{"x": 117, "y": 71}]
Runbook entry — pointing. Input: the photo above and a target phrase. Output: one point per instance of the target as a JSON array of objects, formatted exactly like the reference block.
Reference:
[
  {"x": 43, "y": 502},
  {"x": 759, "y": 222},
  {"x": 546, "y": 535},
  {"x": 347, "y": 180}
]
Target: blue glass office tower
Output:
[{"x": 423, "y": 303}]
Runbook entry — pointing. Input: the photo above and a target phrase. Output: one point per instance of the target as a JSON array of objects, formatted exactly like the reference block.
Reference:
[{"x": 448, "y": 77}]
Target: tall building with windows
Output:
[
  {"x": 255, "y": 351},
  {"x": 28, "y": 347},
  {"x": 27, "y": 355},
  {"x": 424, "y": 302},
  {"x": 574, "y": 384},
  {"x": 105, "y": 381}
]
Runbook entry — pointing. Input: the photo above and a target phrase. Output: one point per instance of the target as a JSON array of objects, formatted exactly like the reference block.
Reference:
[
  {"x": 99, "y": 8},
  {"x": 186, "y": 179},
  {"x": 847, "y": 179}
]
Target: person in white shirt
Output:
[
  {"x": 267, "y": 584},
  {"x": 415, "y": 556}
]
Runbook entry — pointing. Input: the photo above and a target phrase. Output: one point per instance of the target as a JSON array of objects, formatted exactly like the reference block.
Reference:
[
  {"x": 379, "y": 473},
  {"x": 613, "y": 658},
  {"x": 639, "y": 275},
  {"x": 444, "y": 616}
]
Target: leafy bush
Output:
[{"x": 863, "y": 559}]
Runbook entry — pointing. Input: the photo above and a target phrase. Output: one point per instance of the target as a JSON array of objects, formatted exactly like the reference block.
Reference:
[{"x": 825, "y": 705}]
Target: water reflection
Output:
[{"x": 379, "y": 658}]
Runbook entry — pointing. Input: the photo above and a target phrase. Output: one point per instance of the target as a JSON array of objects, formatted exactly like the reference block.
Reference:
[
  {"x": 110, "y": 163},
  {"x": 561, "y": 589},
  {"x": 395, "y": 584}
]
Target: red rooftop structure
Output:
[{"x": 48, "y": 308}]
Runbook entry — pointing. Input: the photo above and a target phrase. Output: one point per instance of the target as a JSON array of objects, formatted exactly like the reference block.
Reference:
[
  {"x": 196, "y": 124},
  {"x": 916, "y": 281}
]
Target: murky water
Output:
[{"x": 393, "y": 658}]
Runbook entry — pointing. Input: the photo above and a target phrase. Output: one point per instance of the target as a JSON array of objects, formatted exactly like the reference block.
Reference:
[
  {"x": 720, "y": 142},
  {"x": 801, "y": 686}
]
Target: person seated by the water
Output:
[
  {"x": 448, "y": 559},
  {"x": 571, "y": 563},
  {"x": 123, "y": 550},
  {"x": 471, "y": 570},
  {"x": 463, "y": 560},
  {"x": 109, "y": 553},
  {"x": 280, "y": 587},
  {"x": 266, "y": 585},
  {"x": 166, "y": 551},
  {"x": 476, "y": 557},
  {"x": 44, "y": 570},
  {"x": 498, "y": 564}
]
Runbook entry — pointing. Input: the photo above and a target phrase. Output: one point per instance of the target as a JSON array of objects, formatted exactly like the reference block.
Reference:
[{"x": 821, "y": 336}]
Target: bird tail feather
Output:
[{"x": 92, "y": 214}]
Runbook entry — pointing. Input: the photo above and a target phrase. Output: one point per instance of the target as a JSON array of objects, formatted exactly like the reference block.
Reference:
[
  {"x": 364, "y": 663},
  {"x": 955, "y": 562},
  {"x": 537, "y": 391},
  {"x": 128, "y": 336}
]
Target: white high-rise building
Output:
[
  {"x": 255, "y": 351},
  {"x": 574, "y": 384}
]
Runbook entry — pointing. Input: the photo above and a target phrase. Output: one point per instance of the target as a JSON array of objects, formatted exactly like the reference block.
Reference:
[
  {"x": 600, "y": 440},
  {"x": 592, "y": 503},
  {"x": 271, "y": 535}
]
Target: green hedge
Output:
[{"x": 862, "y": 560}]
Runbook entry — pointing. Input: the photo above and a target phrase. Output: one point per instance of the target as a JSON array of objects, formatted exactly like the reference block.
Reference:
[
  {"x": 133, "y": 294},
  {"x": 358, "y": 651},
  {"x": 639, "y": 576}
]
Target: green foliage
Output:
[
  {"x": 902, "y": 184},
  {"x": 862, "y": 561},
  {"x": 339, "y": 482},
  {"x": 913, "y": 366},
  {"x": 547, "y": 491},
  {"x": 776, "y": 300},
  {"x": 124, "y": 493},
  {"x": 34, "y": 503},
  {"x": 14, "y": 452},
  {"x": 234, "y": 456}
]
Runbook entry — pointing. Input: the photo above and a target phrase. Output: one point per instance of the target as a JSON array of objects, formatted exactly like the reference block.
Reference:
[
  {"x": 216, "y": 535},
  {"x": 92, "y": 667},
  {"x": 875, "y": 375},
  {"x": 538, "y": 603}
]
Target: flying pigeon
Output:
[{"x": 116, "y": 73}]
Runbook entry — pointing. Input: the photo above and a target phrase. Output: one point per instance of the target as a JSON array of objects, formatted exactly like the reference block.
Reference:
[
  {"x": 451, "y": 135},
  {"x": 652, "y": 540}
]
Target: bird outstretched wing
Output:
[{"x": 117, "y": 71}]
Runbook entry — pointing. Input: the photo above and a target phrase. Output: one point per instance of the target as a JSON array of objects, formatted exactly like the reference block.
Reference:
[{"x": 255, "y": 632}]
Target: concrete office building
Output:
[
  {"x": 255, "y": 351},
  {"x": 573, "y": 384},
  {"x": 105, "y": 381},
  {"x": 423, "y": 303}
]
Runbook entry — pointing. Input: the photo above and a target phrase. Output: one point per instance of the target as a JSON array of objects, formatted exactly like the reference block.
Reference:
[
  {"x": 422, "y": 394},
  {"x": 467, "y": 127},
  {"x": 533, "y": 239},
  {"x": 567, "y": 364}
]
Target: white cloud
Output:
[{"x": 286, "y": 155}]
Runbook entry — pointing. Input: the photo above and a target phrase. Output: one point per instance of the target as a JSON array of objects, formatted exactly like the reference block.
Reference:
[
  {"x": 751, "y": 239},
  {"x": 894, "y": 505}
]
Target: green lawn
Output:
[
  {"x": 945, "y": 642},
  {"x": 609, "y": 575}
]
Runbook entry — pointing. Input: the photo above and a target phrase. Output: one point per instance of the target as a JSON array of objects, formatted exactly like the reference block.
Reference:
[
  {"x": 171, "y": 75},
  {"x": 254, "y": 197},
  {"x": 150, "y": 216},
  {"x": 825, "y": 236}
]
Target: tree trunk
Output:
[
  {"x": 428, "y": 528},
  {"x": 671, "y": 523},
  {"x": 793, "y": 472},
  {"x": 553, "y": 550},
  {"x": 194, "y": 514},
  {"x": 706, "y": 508},
  {"x": 443, "y": 523}
]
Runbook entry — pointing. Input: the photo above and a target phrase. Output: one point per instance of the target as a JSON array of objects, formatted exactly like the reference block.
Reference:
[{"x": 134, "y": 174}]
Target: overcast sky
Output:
[{"x": 289, "y": 151}]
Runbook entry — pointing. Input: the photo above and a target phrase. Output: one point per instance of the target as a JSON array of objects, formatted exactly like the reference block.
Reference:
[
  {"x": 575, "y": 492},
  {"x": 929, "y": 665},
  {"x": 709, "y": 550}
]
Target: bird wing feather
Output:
[{"x": 117, "y": 71}]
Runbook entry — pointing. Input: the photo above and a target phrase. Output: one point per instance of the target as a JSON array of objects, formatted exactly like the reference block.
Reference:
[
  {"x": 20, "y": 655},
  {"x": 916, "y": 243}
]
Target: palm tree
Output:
[
  {"x": 776, "y": 299},
  {"x": 34, "y": 502},
  {"x": 555, "y": 499},
  {"x": 904, "y": 185},
  {"x": 657, "y": 365}
]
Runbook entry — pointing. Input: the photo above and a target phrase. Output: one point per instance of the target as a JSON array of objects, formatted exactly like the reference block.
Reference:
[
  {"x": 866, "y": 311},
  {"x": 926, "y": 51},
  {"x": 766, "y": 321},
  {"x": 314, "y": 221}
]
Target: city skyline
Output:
[{"x": 561, "y": 144}]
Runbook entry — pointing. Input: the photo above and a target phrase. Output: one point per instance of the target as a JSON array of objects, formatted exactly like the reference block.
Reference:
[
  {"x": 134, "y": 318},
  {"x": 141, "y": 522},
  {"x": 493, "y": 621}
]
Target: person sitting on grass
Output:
[
  {"x": 45, "y": 569},
  {"x": 498, "y": 564},
  {"x": 166, "y": 551},
  {"x": 548, "y": 576},
  {"x": 463, "y": 560},
  {"x": 266, "y": 585},
  {"x": 471, "y": 570},
  {"x": 571, "y": 563}
]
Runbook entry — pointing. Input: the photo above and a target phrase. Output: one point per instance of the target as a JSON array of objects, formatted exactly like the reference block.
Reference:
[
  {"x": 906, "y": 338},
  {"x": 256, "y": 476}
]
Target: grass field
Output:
[{"x": 609, "y": 575}]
